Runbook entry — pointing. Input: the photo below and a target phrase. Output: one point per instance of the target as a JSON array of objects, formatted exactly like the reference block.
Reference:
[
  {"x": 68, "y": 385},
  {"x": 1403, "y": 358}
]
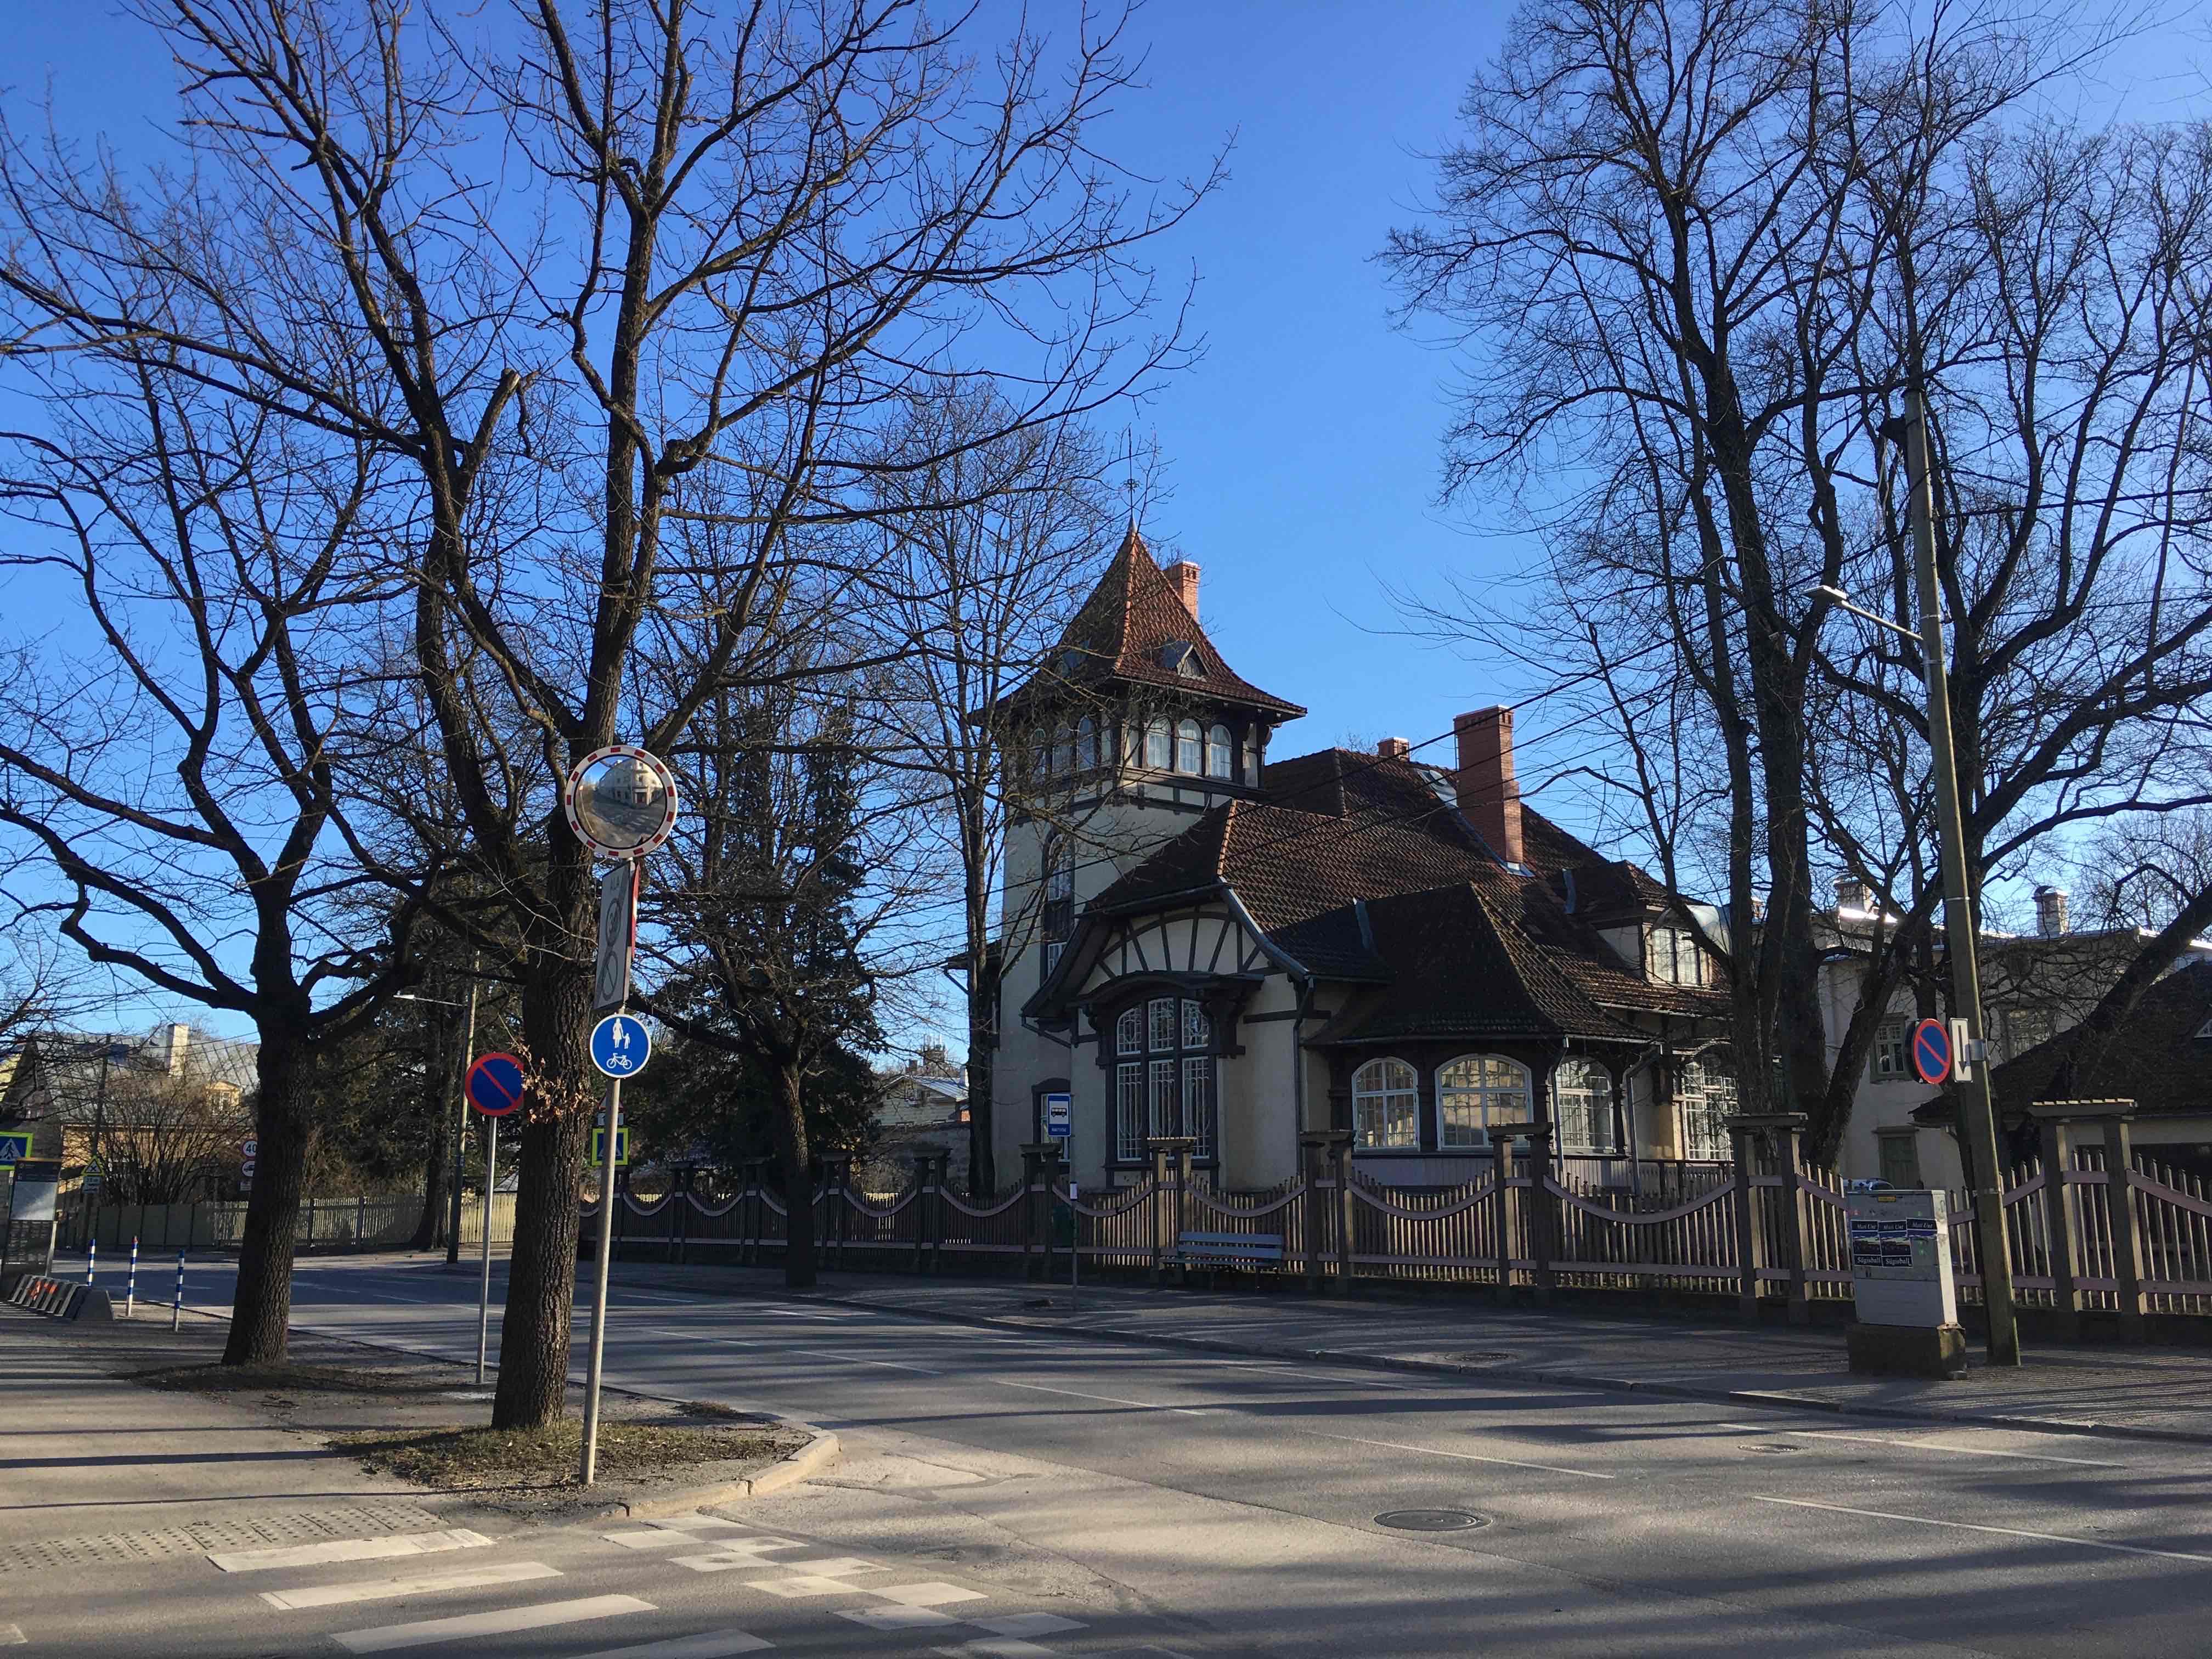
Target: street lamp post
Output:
[{"x": 1978, "y": 1112}]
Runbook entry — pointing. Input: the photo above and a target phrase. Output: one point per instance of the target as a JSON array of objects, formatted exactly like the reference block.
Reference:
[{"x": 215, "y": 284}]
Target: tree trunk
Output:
[
  {"x": 557, "y": 1109},
  {"x": 798, "y": 1178},
  {"x": 982, "y": 1075},
  {"x": 437, "y": 1190},
  {"x": 261, "y": 1307}
]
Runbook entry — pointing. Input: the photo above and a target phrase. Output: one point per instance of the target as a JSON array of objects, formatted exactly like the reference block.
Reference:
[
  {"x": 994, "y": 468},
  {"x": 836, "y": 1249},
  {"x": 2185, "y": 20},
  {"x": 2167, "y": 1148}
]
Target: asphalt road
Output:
[{"x": 1158, "y": 1502}]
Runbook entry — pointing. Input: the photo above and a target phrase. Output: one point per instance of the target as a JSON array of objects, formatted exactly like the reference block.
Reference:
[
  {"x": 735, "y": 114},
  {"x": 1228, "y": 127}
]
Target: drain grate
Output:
[
  {"x": 1430, "y": 1519},
  {"x": 111, "y": 1549}
]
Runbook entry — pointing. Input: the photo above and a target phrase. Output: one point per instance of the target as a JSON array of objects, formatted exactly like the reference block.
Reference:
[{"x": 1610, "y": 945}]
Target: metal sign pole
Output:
[
  {"x": 599, "y": 1292},
  {"x": 483, "y": 1292}
]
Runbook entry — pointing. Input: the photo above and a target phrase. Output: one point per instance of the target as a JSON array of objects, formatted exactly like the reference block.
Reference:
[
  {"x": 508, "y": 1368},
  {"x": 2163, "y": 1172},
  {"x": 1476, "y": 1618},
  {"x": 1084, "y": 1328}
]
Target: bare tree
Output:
[
  {"x": 174, "y": 753},
  {"x": 994, "y": 547},
  {"x": 1697, "y": 252},
  {"x": 622, "y": 375}
]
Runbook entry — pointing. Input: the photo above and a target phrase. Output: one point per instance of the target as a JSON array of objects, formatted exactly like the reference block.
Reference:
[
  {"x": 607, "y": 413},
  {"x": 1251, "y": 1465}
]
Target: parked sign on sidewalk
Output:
[
  {"x": 495, "y": 1084},
  {"x": 1931, "y": 1051}
]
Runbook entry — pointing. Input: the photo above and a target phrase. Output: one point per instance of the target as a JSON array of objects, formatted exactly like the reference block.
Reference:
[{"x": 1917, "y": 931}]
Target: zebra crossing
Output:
[{"x": 785, "y": 1592}]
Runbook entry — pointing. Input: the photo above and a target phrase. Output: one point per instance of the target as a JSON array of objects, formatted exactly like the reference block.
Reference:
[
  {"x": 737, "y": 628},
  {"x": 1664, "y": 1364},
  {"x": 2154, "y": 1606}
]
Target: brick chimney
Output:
[
  {"x": 2050, "y": 911},
  {"x": 1183, "y": 576},
  {"x": 1489, "y": 799},
  {"x": 1394, "y": 749}
]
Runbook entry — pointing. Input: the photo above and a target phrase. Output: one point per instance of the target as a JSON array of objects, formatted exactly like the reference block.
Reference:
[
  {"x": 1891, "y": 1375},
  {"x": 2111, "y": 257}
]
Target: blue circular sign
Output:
[
  {"x": 621, "y": 1045},
  {"x": 1931, "y": 1050},
  {"x": 495, "y": 1084}
]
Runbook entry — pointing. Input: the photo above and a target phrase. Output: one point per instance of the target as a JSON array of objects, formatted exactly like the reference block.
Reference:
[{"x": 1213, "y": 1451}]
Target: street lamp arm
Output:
[{"x": 1842, "y": 601}]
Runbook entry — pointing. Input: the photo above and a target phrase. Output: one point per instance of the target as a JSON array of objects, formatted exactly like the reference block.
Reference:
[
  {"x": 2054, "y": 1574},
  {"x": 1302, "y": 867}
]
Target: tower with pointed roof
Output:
[{"x": 1133, "y": 728}]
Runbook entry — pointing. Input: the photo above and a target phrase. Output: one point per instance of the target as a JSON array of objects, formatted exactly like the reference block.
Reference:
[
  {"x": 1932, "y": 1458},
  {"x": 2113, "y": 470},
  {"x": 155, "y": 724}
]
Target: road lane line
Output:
[
  {"x": 1471, "y": 1457},
  {"x": 349, "y": 1549},
  {"x": 1917, "y": 1445},
  {"x": 500, "y": 1621},
  {"x": 1110, "y": 1398},
  {"x": 782, "y": 1347},
  {"x": 1969, "y": 1525},
  {"x": 376, "y": 1590},
  {"x": 708, "y": 1645}
]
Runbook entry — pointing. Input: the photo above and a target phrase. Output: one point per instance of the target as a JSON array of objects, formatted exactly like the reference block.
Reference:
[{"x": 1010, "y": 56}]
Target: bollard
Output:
[
  {"x": 177, "y": 1306},
  {"x": 91, "y": 1259},
  {"x": 130, "y": 1284}
]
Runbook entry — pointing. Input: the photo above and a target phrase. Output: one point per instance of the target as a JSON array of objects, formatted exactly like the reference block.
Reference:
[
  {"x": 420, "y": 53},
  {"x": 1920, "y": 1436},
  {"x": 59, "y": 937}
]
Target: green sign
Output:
[{"x": 622, "y": 1147}]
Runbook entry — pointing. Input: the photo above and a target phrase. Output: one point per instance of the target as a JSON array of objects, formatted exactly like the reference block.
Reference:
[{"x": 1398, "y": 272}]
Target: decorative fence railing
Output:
[
  {"x": 324, "y": 1223},
  {"x": 1536, "y": 1227}
]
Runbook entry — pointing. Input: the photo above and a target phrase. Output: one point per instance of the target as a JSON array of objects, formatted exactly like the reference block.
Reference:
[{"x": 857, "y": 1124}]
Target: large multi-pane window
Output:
[
  {"x": 1887, "y": 1063},
  {"x": 1474, "y": 1092},
  {"x": 1581, "y": 1107},
  {"x": 1057, "y": 925},
  {"x": 1386, "y": 1107},
  {"x": 1218, "y": 751},
  {"x": 1164, "y": 1078},
  {"x": 1704, "y": 1098},
  {"x": 1673, "y": 957},
  {"x": 1188, "y": 743},
  {"x": 1159, "y": 745}
]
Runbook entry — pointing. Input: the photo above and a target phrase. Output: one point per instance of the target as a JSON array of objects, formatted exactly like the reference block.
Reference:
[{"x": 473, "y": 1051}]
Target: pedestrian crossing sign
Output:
[
  {"x": 14, "y": 1147},
  {"x": 599, "y": 1146}
]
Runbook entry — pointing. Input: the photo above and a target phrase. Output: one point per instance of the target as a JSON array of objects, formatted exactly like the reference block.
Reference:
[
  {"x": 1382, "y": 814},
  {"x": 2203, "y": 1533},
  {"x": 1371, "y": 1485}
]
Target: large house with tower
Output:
[{"x": 1226, "y": 946}]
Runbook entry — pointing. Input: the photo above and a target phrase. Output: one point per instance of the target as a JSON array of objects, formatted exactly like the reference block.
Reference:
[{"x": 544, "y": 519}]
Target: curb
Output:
[
  {"x": 822, "y": 1452},
  {"x": 1774, "y": 1399}
]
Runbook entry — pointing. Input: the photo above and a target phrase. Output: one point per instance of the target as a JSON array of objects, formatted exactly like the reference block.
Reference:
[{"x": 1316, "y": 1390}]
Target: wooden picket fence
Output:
[{"x": 1537, "y": 1226}]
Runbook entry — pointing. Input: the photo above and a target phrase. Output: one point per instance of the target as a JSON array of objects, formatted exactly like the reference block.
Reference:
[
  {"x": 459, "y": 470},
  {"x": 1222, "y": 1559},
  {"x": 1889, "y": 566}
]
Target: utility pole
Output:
[
  {"x": 1977, "y": 1115},
  {"x": 461, "y": 1132}
]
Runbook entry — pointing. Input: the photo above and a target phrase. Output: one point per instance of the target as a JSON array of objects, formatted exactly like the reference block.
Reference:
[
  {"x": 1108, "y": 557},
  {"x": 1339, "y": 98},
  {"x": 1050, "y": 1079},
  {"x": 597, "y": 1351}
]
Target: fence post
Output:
[
  {"x": 1543, "y": 1207},
  {"x": 1790, "y": 1135},
  {"x": 1158, "y": 1204},
  {"x": 1313, "y": 1146},
  {"x": 1740, "y": 1133},
  {"x": 1036, "y": 1226},
  {"x": 1501, "y": 1173},
  {"x": 2056, "y": 1134},
  {"x": 311, "y": 1224},
  {"x": 1340, "y": 1158},
  {"x": 2120, "y": 1200}
]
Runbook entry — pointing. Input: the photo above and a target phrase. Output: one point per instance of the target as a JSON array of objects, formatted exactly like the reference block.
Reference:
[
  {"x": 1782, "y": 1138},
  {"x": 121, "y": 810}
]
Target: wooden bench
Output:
[{"x": 1229, "y": 1249}]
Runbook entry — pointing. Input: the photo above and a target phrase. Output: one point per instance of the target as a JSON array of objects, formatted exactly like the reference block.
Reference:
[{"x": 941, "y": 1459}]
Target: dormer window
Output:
[
  {"x": 1182, "y": 656},
  {"x": 1671, "y": 956}
]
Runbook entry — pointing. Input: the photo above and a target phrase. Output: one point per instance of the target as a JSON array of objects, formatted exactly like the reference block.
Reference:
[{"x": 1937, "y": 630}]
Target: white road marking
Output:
[
  {"x": 739, "y": 1553},
  {"x": 708, "y": 1645},
  {"x": 650, "y": 1539},
  {"x": 349, "y": 1549},
  {"x": 1918, "y": 1445},
  {"x": 895, "y": 1617},
  {"x": 12, "y": 1636},
  {"x": 803, "y": 1584},
  {"x": 1968, "y": 1526},
  {"x": 698, "y": 1523},
  {"x": 1110, "y": 1398},
  {"x": 1470, "y": 1457},
  {"x": 1028, "y": 1624},
  {"x": 931, "y": 1595},
  {"x": 781, "y": 1347},
  {"x": 994, "y": 1647},
  {"x": 374, "y": 1589},
  {"x": 499, "y": 1621}
]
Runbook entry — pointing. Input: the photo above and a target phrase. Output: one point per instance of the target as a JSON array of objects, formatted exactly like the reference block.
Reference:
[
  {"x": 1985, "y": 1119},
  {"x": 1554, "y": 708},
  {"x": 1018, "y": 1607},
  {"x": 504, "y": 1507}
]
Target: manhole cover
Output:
[{"x": 1430, "y": 1519}]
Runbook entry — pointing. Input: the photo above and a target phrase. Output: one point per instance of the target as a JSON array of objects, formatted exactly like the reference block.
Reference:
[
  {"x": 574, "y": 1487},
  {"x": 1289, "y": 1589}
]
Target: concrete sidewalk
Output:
[
  {"x": 2146, "y": 1393},
  {"x": 99, "y": 1467}
]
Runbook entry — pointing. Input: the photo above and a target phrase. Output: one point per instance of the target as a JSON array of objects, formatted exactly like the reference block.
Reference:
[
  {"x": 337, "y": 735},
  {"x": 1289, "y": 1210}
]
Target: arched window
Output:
[
  {"x": 1704, "y": 1100},
  {"x": 1252, "y": 761},
  {"x": 1217, "y": 752},
  {"x": 1186, "y": 747},
  {"x": 1086, "y": 745},
  {"x": 1159, "y": 745},
  {"x": 1063, "y": 749},
  {"x": 1474, "y": 1092},
  {"x": 1386, "y": 1106},
  {"x": 1581, "y": 1107},
  {"x": 1164, "y": 1082}
]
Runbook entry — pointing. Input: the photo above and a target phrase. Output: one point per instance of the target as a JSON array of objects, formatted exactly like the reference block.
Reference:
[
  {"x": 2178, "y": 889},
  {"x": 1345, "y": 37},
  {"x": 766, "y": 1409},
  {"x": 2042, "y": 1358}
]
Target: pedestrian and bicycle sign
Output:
[
  {"x": 621, "y": 1045},
  {"x": 495, "y": 1084}
]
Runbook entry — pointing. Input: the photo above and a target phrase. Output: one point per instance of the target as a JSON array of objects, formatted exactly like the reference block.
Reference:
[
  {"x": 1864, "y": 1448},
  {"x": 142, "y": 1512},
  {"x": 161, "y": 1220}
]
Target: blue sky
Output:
[{"x": 1301, "y": 453}]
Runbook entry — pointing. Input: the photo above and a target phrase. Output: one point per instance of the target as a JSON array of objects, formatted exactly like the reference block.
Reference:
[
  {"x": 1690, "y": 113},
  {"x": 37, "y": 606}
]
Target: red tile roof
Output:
[{"x": 1131, "y": 618}]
